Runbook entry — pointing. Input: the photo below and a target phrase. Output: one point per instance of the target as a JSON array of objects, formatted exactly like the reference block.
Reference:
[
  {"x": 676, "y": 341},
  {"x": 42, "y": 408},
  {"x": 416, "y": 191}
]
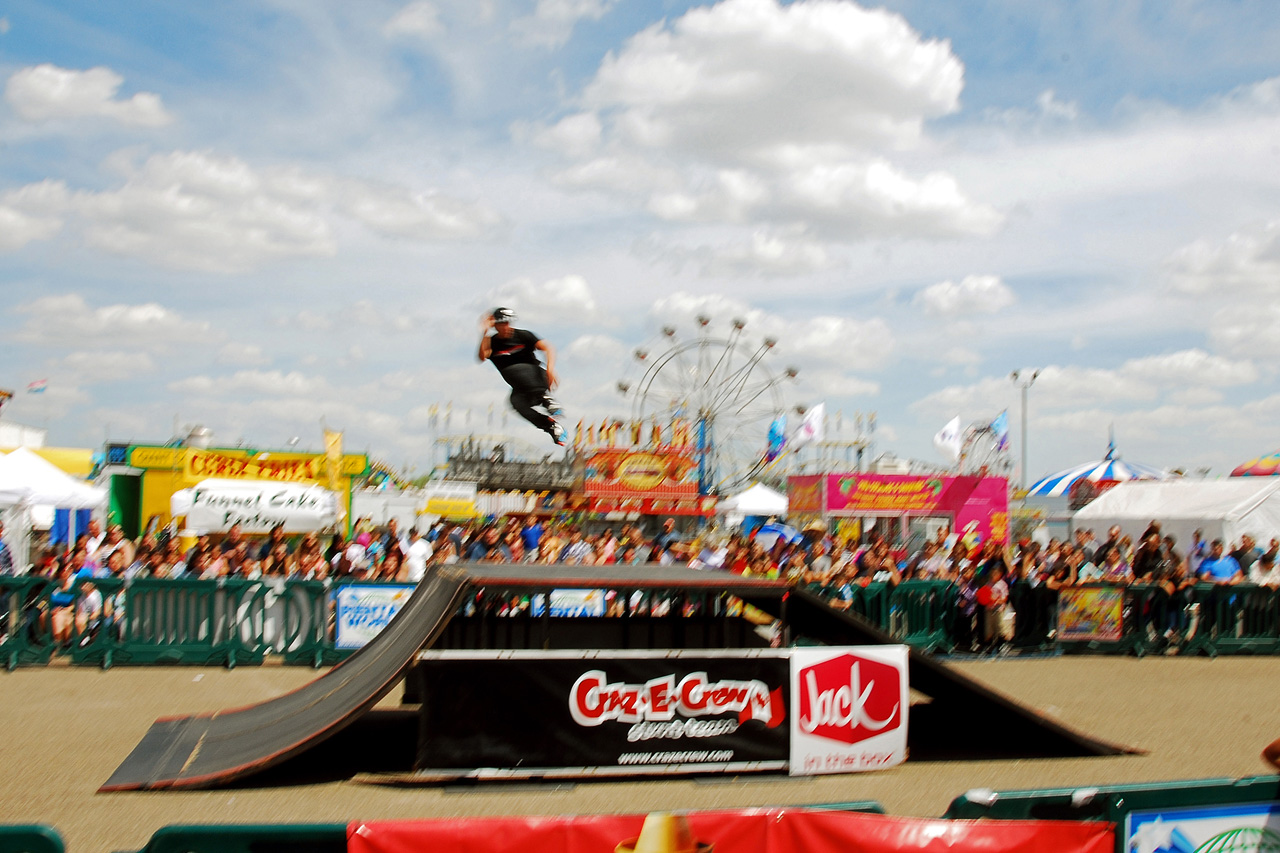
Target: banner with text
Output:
[
  {"x": 613, "y": 712},
  {"x": 828, "y": 710},
  {"x": 669, "y": 473},
  {"x": 361, "y": 611}
]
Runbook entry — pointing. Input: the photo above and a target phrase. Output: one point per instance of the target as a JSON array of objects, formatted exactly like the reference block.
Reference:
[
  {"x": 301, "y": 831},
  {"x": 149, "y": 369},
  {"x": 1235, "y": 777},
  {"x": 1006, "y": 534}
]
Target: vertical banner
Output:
[{"x": 849, "y": 709}]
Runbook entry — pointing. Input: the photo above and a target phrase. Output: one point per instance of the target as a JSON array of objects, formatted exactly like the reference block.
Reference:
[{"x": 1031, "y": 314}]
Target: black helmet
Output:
[{"x": 503, "y": 315}]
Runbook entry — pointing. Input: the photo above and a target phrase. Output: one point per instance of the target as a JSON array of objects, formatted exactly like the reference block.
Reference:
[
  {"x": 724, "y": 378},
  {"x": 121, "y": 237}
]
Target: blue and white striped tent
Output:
[{"x": 1110, "y": 468}]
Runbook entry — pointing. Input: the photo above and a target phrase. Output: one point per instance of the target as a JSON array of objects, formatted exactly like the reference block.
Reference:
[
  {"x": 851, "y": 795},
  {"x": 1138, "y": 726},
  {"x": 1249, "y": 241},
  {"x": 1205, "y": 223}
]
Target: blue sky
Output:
[{"x": 257, "y": 215}]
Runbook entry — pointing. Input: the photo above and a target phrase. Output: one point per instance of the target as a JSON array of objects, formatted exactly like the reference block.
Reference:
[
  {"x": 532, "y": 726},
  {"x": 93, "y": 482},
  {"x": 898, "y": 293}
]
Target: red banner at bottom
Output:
[{"x": 777, "y": 830}]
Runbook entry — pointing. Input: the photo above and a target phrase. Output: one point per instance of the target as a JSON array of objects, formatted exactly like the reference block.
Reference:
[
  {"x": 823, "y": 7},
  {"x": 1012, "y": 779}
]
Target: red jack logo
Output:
[{"x": 850, "y": 699}]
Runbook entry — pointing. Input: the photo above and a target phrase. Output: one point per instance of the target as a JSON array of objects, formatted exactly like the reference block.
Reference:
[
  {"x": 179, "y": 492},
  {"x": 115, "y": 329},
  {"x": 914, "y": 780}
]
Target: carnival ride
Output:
[{"x": 724, "y": 387}]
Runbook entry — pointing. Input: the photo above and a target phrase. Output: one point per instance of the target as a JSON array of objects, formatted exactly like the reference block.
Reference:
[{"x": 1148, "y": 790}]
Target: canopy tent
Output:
[
  {"x": 25, "y": 478},
  {"x": 26, "y": 482},
  {"x": 1263, "y": 466},
  {"x": 1110, "y": 468},
  {"x": 757, "y": 500},
  {"x": 1221, "y": 509},
  {"x": 256, "y": 505}
]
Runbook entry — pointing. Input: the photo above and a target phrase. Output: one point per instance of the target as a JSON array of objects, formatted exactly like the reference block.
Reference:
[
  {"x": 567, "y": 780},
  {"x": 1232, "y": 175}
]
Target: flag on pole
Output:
[
  {"x": 333, "y": 461},
  {"x": 948, "y": 440},
  {"x": 38, "y": 387},
  {"x": 777, "y": 438},
  {"x": 1000, "y": 426},
  {"x": 812, "y": 428}
]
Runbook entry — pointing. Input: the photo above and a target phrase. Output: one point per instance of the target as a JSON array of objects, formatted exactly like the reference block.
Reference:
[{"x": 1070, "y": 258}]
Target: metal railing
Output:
[{"x": 232, "y": 622}]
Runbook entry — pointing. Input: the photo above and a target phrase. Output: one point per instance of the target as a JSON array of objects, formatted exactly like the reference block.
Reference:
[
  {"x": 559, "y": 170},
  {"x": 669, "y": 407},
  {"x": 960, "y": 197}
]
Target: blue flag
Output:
[
  {"x": 777, "y": 438},
  {"x": 1000, "y": 426}
]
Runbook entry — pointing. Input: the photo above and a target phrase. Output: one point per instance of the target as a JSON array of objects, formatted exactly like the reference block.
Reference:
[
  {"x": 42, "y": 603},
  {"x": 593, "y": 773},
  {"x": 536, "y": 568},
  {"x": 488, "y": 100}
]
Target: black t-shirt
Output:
[{"x": 520, "y": 348}]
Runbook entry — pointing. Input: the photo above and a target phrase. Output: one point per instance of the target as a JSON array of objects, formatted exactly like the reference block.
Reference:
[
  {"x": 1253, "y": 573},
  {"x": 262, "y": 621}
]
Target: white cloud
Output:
[
  {"x": 399, "y": 212},
  {"x": 273, "y": 383},
  {"x": 205, "y": 211},
  {"x": 420, "y": 19},
  {"x": 568, "y": 300},
  {"x": 31, "y": 213},
  {"x": 552, "y": 21},
  {"x": 1135, "y": 383},
  {"x": 974, "y": 294},
  {"x": 825, "y": 340},
  {"x": 767, "y": 253},
  {"x": 107, "y": 366},
  {"x": 242, "y": 354},
  {"x": 46, "y": 92},
  {"x": 69, "y": 320},
  {"x": 750, "y": 111},
  {"x": 1247, "y": 261}
]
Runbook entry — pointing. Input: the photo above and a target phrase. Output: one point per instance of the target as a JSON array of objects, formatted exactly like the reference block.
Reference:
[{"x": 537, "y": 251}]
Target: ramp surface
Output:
[
  {"x": 963, "y": 716},
  {"x": 213, "y": 749}
]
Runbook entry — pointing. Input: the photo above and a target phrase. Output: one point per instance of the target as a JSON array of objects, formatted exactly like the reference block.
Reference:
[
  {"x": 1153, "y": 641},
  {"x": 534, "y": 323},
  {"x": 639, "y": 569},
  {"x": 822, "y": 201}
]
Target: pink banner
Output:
[
  {"x": 978, "y": 506},
  {"x": 790, "y": 830}
]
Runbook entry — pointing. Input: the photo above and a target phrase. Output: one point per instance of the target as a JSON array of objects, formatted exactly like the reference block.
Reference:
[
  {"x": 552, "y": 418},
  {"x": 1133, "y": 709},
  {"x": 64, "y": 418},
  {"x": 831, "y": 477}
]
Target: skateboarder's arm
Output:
[
  {"x": 486, "y": 345},
  {"x": 552, "y": 379}
]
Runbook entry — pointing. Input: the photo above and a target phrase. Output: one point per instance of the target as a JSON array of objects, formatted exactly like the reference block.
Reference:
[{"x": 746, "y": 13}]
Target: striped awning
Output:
[
  {"x": 1263, "y": 466},
  {"x": 1109, "y": 469}
]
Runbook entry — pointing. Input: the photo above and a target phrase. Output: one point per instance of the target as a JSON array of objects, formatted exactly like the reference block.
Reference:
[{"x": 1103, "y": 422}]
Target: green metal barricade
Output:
[
  {"x": 155, "y": 620},
  {"x": 250, "y": 838},
  {"x": 308, "y": 637},
  {"x": 32, "y": 838},
  {"x": 1239, "y": 619},
  {"x": 25, "y": 634},
  {"x": 920, "y": 612},
  {"x": 1114, "y": 803}
]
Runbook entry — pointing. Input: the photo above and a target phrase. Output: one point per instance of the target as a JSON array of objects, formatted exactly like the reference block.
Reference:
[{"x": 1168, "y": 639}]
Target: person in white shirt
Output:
[
  {"x": 1264, "y": 571},
  {"x": 417, "y": 554}
]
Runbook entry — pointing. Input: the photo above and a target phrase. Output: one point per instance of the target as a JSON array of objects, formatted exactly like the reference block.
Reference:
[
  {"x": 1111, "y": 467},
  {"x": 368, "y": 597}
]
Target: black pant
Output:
[{"x": 528, "y": 389}]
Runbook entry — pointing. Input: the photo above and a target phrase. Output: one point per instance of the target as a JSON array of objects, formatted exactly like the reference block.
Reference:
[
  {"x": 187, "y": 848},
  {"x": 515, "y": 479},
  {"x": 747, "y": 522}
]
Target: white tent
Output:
[
  {"x": 256, "y": 505},
  {"x": 757, "y": 500},
  {"x": 1221, "y": 509},
  {"x": 28, "y": 481}
]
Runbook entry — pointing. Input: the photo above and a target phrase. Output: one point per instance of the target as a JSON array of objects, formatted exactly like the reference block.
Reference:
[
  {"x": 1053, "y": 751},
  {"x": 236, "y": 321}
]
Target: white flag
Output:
[
  {"x": 948, "y": 440},
  {"x": 811, "y": 428}
]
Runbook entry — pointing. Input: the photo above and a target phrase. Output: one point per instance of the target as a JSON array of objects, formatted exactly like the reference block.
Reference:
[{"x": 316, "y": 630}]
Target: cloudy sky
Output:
[{"x": 258, "y": 215}]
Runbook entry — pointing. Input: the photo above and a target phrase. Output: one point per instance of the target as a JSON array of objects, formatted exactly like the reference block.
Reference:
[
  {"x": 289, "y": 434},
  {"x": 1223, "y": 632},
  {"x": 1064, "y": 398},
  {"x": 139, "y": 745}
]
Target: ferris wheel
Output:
[
  {"x": 724, "y": 387},
  {"x": 985, "y": 452}
]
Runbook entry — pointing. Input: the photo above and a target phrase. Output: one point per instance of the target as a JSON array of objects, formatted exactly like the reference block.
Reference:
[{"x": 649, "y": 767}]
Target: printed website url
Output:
[{"x": 687, "y": 757}]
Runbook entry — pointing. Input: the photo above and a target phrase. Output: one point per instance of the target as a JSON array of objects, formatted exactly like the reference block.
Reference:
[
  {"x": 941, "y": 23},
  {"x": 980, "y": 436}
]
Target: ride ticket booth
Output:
[{"x": 906, "y": 508}]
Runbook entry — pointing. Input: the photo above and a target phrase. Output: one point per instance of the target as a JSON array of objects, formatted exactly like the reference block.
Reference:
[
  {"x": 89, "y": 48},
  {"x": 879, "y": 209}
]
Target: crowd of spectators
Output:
[{"x": 1000, "y": 592}]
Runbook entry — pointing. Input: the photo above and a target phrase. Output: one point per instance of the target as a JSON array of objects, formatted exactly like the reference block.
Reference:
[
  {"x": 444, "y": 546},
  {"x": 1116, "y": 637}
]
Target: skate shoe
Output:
[
  {"x": 552, "y": 405},
  {"x": 557, "y": 433}
]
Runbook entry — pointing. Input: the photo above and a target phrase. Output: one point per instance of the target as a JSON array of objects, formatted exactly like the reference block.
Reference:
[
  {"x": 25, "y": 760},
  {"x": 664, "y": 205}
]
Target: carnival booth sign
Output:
[
  {"x": 978, "y": 506},
  {"x": 256, "y": 505}
]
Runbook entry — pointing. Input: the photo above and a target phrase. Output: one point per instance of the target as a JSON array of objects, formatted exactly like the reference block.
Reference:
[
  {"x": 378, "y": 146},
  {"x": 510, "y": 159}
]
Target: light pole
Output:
[{"x": 1024, "y": 380}]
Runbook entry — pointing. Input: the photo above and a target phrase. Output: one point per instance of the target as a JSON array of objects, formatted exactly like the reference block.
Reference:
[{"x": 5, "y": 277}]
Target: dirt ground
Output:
[{"x": 63, "y": 731}]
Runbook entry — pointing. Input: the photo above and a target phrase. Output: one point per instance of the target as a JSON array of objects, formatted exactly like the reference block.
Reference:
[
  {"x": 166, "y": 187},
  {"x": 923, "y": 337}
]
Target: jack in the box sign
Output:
[{"x": 851, "y": 709}]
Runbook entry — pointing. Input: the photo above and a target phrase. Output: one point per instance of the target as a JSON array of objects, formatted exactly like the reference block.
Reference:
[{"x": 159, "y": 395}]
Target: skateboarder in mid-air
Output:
[{"x": 514, "y": 353}]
